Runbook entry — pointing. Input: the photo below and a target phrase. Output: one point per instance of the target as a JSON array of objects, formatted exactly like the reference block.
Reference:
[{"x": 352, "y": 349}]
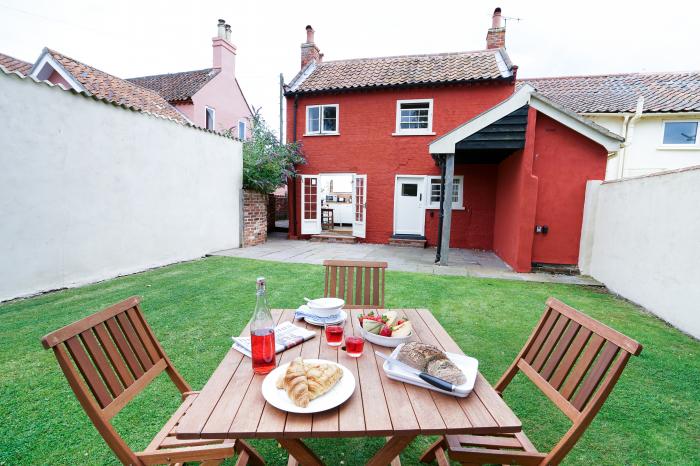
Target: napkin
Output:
[{"x": 304, "y": 311}]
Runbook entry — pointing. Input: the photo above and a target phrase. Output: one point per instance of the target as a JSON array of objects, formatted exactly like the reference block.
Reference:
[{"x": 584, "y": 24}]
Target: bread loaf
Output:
[
  {"x": 418, "y": 355},
  {"x": 446, "y": 370}
]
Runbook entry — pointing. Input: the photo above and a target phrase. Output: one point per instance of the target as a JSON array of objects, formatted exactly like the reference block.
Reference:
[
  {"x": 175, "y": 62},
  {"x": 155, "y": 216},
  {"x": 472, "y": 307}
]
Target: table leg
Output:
[
  {"x": 390, "y": 450},
  {"x": 301, "y": 453}
]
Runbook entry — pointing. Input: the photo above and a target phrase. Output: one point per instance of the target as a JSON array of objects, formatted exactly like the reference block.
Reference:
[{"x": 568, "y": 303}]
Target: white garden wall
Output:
[
  {"x": 641, "y": 238},
  {"x": 90, "y": 191}
]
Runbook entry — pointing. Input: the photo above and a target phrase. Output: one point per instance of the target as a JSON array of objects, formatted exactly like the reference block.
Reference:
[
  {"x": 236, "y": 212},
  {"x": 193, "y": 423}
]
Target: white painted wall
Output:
[
  {"x": 90, "y": 191},
  {"x": 645, "y": 153},
  {"x": 641, "y": 238}
]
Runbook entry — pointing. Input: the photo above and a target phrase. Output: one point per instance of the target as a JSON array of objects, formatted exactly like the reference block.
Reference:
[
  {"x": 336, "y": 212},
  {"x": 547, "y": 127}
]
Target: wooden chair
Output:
[
  {"x": 109, "y": 358},
  {"x": 359, "y": 283},
  {"x": 575, "y": 361}
]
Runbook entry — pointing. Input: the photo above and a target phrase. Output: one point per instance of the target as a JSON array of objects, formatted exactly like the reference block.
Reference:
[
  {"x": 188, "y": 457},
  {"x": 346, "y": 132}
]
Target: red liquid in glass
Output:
[
  {"x": 262, "y": 342},
  {"x": 354, "y": 346},
  {"x": 334, "y": 335}
]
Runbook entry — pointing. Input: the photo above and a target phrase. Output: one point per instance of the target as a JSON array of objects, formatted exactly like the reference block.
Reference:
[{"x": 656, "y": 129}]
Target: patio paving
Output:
[{"x": 463, "y": 262}]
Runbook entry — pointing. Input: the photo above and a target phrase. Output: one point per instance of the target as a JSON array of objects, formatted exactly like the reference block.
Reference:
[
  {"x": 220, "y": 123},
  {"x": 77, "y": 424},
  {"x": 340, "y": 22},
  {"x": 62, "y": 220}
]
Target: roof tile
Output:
[
  {"x": 176, "y": 87},
  {"x": 404, "y": 70},
  {"x": 15, "y": 64},
  {"x": 616, "y": 93}
]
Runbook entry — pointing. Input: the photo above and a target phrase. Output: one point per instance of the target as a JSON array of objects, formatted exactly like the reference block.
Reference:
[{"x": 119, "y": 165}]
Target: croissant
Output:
[
  {"x": 321, "y": 377},
  {"x": 295, "y": 383}
]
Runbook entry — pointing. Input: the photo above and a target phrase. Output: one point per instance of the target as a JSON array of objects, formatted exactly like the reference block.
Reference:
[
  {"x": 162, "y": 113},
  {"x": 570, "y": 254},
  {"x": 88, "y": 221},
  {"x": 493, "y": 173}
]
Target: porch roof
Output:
[{"x": 466, "y": 135}]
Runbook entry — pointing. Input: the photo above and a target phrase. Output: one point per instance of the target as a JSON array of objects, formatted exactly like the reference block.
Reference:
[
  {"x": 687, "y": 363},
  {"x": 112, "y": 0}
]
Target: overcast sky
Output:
[{"x": 134, "y": 38}]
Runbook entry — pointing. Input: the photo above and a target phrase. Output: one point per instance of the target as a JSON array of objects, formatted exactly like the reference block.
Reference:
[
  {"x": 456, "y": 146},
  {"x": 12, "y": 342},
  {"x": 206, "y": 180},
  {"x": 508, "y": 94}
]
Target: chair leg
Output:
[
  {"x": 441, "y": 457},
  {"x": 429, "y": 455}
]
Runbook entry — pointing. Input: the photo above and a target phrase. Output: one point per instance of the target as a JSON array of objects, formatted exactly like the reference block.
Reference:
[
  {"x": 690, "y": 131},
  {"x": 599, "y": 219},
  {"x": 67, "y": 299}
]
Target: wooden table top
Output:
[{"x": 231, "y": 404}]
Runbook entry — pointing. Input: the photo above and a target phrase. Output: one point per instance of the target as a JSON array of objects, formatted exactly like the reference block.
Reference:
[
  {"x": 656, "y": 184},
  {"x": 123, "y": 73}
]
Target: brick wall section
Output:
[{"x": 254, "y": 218}]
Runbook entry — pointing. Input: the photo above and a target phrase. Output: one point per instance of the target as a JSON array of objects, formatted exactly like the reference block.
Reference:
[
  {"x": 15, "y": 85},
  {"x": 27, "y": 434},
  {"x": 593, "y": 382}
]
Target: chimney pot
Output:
[
  {"x": 309, "y": 34},
  {"x": 228, "y": 33},
  {"x": 496, "y": 20},
  {"x": 496, "y": 35},
  {"x": 309, "y": 51},
  {"x": 221, "y": 29}
]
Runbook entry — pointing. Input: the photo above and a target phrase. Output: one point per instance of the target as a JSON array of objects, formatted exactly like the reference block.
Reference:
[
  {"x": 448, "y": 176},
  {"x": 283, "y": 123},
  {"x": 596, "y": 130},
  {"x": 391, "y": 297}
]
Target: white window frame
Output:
[
  {"x": 429, "y": 204},
  {"x": 213, "y": 116},
  {"x": 243, "y": 136},
  {"x": 417, "y": 131},
  {"x": 691, "y": 146},
  {"x": 320, "y": 131}
]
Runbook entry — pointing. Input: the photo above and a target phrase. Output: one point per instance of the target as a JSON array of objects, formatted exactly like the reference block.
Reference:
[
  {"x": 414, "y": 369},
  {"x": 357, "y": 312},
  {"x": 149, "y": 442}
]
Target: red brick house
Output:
[{"x": 406, "y": 129}]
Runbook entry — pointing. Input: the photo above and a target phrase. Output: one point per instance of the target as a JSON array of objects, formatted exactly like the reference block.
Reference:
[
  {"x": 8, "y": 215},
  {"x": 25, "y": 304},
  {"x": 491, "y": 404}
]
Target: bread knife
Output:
[{"x": 437, "y": 382}]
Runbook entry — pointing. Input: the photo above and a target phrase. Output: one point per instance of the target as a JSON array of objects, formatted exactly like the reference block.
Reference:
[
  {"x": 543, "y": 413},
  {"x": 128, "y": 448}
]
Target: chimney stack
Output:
[
  {"x": 224, "y": 50},
  {"x": 309, "y": 51},
  {"x": 496, "y": 36}
]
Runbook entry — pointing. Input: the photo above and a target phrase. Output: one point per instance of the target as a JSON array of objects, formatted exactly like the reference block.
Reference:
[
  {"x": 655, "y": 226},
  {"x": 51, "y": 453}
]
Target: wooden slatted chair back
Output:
[
  {"x": 108, "y": 358},
  {"x": 575, "y": 361},
  {"x": 359, "y": 283}
]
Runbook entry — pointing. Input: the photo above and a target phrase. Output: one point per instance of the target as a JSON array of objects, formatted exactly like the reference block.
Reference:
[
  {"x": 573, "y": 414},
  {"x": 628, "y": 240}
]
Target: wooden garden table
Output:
[{"x": 231, "y": 404}]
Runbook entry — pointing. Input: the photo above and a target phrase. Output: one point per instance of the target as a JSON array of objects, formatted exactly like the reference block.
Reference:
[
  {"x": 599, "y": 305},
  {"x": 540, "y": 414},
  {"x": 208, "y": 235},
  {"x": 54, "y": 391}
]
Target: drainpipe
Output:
[
  {"x": 627, "y": 133},
  {"x": 292, "y": 193}
]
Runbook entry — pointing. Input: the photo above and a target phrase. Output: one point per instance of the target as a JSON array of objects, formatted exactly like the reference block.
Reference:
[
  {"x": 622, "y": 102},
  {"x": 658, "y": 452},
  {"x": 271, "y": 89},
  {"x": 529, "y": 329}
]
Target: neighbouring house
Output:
[
  {"x": 657, "y": 113},
  {"x": 211, "y": 97},
  {"x": 407, "y": 129}
]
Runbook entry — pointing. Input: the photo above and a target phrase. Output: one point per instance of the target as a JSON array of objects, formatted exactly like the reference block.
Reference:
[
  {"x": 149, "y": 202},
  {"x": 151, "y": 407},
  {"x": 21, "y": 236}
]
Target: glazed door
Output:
[
  {"x": 310, "y": 206},
  {"x": 409, "y": 212},
  {"x": 359, "y": 205}
]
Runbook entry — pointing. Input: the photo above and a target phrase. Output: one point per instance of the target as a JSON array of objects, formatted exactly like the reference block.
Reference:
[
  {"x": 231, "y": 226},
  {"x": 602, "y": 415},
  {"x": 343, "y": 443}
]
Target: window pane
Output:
[
  {"x": 241, "y": 130},
  {"x": 313, "y": 120},
  {"x": 435, "y": 190},
  {"x": 455, "y": 190},
  {"x": 414, "y": 115},
  {"x": 409, "y": 190},
  {"x": 680, "y": 132},
  {"x": 209, "y": 118},
  {"x": 329, "y": 119}
]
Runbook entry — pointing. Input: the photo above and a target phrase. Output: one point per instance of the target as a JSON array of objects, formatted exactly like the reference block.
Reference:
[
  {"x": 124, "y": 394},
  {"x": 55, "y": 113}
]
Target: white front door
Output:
[
  {"x": 359, "y": 205},
  {"x": 310, "y": 206},
  {"x": 409, "y": 210}
]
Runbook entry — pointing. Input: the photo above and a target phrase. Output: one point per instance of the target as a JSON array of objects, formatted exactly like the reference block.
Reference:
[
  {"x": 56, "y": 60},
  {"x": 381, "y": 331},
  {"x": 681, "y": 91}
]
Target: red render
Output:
[
  {"x": 366, "y": 146},
  {"x": 544, "y": 183}
]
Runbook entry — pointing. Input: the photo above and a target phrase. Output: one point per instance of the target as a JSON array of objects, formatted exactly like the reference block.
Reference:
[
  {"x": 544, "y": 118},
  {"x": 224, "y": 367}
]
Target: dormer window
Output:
[
  {"x": 210, "y": 118},
  {"x": 414, "y": 117},
  {"x": 321, "y": 119}
]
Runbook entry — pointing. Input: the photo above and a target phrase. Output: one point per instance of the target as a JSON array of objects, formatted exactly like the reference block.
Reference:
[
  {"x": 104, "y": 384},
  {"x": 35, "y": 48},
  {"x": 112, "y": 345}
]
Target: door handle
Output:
[{"x": 420, "y": 197}]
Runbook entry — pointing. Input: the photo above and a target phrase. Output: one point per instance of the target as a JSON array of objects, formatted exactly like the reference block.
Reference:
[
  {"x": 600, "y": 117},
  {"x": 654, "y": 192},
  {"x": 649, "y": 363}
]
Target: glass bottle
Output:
[{"x": 262, "y": 333}]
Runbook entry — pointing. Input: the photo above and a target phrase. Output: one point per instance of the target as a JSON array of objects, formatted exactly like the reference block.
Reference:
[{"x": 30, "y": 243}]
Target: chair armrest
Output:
[{"x": 182, "y": 455}]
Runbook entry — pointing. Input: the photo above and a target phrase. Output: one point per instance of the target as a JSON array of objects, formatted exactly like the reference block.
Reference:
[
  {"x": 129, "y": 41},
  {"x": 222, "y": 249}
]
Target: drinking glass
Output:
[
  {"x": 354, "y": 346},
  {"x": 334, "y": 334}
]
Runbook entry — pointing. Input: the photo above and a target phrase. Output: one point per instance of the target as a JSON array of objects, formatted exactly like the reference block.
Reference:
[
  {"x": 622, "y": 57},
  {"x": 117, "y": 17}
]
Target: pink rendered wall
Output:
[{"x": 223, "y": 95}]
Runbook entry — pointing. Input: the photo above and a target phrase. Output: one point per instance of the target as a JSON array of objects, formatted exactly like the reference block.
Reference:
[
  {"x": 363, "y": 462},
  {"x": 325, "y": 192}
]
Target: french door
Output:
[
  {"x": 359, "y": 206},
  {"x": 310, "y": 205}
]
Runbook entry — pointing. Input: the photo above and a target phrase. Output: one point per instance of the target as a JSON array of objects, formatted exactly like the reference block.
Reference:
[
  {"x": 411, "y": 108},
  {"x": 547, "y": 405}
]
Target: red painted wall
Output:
[
  {"x": 366, "y": 146},
  {"x": 564, "y": 161}
]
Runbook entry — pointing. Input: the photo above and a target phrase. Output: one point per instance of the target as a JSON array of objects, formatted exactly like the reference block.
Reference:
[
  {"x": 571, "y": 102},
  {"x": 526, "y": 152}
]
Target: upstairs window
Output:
[
  {"x": 322, "y": 119},
  {"x": 210, "y": 118},
  {"x": 414, "y": 116},
  {"x": 242, "y": 130},
  {"x": 457, "y": 192},
  {"x": 680, "y": 133}
]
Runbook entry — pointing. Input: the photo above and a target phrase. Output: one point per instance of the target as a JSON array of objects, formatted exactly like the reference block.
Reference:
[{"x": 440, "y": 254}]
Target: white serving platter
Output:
[
  {"x": 336, "y": 396},
  {"x": 469, "y": 366}
]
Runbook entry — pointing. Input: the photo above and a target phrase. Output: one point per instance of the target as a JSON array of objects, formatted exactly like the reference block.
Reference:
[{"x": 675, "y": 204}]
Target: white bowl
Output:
[
  {"x": 324, "y": 307},
  {"x": 389, "y": 342}
]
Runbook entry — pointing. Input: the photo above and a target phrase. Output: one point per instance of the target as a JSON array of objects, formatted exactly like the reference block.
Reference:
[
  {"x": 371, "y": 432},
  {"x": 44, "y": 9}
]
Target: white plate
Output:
[
  {"x": 337, "y": 395},
  {"x": 468, "y": 365},
  {"x": 319, "y": 322}
]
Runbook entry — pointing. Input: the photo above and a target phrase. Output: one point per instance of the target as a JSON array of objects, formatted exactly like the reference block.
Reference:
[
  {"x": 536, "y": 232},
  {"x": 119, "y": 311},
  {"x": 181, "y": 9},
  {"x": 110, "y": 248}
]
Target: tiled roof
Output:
[
  {"x": 615, "y": 93},
  {"x": 403, "y": 71},
  {"x": 14, "y": 64},
  {"x": 104, "y": 85},
  {"x": 177, "y": 86}
]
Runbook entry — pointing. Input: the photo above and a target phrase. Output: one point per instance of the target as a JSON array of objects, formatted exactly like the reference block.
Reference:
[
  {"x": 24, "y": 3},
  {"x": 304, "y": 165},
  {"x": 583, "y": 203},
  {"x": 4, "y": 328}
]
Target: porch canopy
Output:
[{"x": 493, "y": 135}]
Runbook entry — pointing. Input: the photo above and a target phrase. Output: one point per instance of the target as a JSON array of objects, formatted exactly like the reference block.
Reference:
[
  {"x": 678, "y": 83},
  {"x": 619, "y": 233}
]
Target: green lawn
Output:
[{"x": 652, "y": 417}]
